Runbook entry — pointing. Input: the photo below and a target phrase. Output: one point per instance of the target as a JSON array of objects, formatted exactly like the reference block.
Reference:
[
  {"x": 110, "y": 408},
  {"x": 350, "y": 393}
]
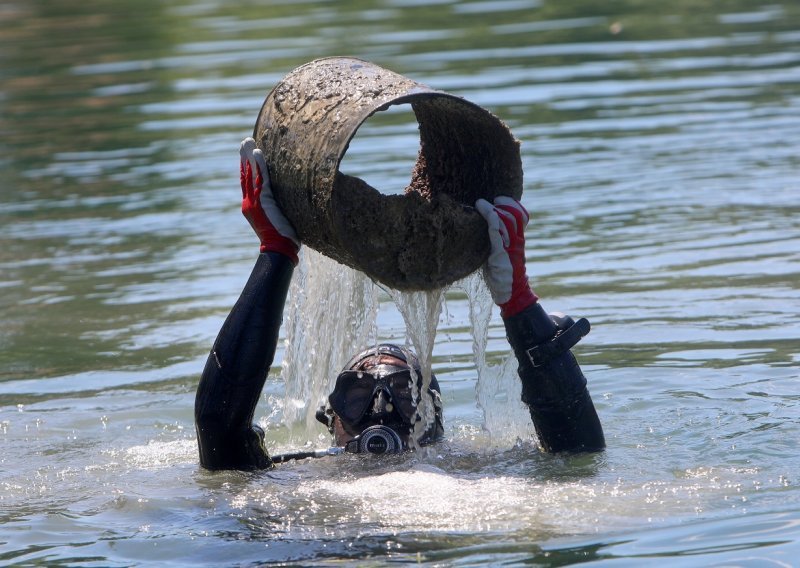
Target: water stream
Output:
[
  {"x": 333, "y": 313},
  {"x": 331, "y": 316}
]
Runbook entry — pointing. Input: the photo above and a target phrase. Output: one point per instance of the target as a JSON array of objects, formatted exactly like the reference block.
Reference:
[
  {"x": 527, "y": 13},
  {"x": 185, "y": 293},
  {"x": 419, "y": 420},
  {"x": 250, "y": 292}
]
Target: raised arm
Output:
[
  {"x": 243, "y": 352},
  {"x": 553, "y": 386}
]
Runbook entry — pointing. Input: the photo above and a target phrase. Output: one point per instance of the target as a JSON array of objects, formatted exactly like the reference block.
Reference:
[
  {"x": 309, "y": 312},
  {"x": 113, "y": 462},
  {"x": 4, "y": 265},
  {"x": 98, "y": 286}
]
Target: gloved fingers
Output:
[
  {"x": 514, "y": 208},
  {"x": 509, "y": 222},
  {"x": 509, "y": 203},
  {"x": 484, "y": 208},
  {"x": 268, "y": 203},
  {"x": 243, "y": 178},
  {"x": 249, "y": 171},
  {"x": 498, "y": 231},
  {"x": 498, "y": 271},
  {"x": 258, "y": 204},
  {"x": 499, "y": 279},
  {"x": 504, "y": 270},
  {"x": 262, "y": 173}
]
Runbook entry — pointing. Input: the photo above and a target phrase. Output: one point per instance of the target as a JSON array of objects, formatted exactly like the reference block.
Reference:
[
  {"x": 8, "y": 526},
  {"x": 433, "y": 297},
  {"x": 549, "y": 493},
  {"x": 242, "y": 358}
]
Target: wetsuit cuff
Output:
[
  {"x": 285, "y": 247},
  {"x": 518, "y": 303}
]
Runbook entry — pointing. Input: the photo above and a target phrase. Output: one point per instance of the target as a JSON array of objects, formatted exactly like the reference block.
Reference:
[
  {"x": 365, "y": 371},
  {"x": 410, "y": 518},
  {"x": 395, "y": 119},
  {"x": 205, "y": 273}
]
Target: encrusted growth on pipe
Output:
[{"x": 424, "y": 239}]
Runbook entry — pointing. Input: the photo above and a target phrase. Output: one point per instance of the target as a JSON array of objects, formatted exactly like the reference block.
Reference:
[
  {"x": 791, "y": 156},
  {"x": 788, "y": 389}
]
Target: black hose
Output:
[{"x": 280, "y": 458}]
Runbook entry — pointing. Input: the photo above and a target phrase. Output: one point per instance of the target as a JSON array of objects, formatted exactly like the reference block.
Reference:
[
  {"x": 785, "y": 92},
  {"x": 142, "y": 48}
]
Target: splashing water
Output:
[
  {"x": 420, "y": 311},
  {"x": 332, "y": 314},
  {"x": 498, "y": 389}
]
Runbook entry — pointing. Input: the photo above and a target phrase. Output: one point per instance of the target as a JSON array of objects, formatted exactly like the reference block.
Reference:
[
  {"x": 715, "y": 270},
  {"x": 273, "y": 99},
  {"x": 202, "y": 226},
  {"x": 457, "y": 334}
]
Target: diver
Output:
[{"x": 373, "y": 406}]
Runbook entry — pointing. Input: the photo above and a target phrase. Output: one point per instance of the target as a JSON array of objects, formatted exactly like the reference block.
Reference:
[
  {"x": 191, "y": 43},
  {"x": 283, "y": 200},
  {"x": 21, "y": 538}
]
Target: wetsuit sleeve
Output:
[
  {"x": 237, "y": 367},
  {"x": 553, "y": 386}
]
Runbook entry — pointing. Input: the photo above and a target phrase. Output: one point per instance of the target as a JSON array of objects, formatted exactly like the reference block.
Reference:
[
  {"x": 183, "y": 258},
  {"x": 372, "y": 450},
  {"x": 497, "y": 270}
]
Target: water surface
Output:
[{"x": 660, "y": 148}]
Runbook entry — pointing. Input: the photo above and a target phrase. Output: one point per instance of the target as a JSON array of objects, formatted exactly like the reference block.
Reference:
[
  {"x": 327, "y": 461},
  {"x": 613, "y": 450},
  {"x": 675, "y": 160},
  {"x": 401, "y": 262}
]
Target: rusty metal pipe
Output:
[{"x": 427, "y": 237}]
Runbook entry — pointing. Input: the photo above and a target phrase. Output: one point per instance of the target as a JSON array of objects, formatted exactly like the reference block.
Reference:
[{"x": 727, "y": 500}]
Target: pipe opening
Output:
[{"x": 384, "y": 150}]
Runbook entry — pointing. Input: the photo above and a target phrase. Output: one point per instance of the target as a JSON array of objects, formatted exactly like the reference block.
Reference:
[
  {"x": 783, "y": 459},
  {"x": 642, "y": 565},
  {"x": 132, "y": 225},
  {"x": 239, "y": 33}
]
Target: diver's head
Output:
[{"x": 381, "y": 386}]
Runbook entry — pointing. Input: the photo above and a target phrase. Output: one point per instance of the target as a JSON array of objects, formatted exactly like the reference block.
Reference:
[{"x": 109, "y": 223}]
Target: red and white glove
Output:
[
  {"x": 259, "y": 206},
  {"x": 504, "y": 271}
]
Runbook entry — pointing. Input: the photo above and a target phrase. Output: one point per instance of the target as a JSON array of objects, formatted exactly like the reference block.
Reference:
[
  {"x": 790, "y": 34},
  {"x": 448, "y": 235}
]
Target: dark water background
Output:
[{"x": 660, "y": 142}]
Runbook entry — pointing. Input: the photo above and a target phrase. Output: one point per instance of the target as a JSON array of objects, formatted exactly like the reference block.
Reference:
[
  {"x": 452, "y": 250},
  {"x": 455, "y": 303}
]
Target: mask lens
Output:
[
  {"x": 402, "y": 395},
  {"x": 352, "y": 395}
]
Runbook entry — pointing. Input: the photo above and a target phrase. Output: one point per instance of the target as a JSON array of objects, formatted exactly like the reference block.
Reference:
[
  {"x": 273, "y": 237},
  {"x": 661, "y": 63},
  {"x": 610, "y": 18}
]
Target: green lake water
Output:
[{"x": 661, "y": 148}]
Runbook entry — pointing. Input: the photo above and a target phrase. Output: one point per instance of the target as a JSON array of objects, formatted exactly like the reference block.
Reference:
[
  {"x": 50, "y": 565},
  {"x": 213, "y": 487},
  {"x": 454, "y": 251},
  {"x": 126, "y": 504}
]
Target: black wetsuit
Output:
[{"x": 553, "y": 386}]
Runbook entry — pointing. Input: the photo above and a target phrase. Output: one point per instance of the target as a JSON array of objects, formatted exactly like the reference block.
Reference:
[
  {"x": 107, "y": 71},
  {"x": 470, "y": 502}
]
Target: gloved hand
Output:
[
  {"x": 259, "y": 206},
  {"x": 504, "y": 271}
]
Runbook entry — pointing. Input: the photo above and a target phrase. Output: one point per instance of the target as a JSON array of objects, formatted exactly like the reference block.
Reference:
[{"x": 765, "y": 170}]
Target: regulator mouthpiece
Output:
[{"x": 377, "y": 440}]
